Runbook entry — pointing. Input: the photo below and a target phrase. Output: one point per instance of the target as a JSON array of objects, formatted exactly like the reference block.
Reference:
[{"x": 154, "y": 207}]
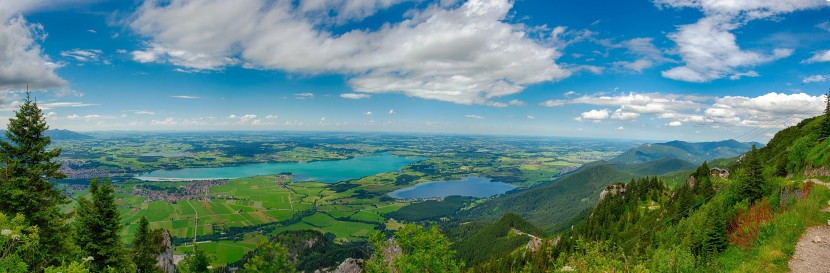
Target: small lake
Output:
[
  {"x": 331, "y": 171},
  {"x": 471, "y": 186}
]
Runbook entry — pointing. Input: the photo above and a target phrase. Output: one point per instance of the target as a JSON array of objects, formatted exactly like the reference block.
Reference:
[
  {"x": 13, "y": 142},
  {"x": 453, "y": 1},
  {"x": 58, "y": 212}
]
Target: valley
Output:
[{"x": 345, "y": 185}]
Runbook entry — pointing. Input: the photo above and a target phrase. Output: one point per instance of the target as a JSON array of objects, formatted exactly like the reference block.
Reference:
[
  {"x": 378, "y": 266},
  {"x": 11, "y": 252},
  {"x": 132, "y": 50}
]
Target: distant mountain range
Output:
[
  {"x": 691, "y": 152},
  {"x": 551, "y": 206},
  {"x": 58, "y": 135}
]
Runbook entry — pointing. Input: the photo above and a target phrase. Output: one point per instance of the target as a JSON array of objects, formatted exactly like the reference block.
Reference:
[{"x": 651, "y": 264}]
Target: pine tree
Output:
[
  {"x": 98, "y": 228},
  {"x": 196, "y": 262},
  {"x": 270, "y": 257},
  {"x": 145, "y": 249},
  {"x": 26, "y": 186},
  {"x": 825, "y": 125},
  {"x": 751, "y": 183}
]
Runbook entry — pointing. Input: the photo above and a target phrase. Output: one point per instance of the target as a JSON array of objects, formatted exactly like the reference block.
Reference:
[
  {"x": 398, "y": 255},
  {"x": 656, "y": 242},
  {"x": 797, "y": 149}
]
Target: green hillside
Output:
[{"x": 748, "y": 223}]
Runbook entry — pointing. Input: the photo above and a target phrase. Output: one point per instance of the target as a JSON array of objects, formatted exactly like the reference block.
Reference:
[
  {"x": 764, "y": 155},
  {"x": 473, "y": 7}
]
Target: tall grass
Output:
[{"x": 776, "y": 240}]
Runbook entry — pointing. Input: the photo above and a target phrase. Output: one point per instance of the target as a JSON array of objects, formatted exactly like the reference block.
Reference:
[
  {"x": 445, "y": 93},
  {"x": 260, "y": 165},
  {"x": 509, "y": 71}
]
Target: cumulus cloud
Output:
[
  {"x": 709, "y": 48},
  {"x": 594, "y": 115},
  {"x": 474, "y": 116},
  {"x": 340, "y": 11},
  {"x": 368, "y": 113},
  {"x": 771, "y": 110},
  {"x": 818, "y": 57},
  {"x": 392, "y": 111},
  {"x": 355, "y": 96},
  {"x": 622, "y": 115},
  {"x": 23, "y": 61},
  {"x": 674, "y": 123},
  {"x": 271, "y": 117},
  {"x": 465, "y": 54}
]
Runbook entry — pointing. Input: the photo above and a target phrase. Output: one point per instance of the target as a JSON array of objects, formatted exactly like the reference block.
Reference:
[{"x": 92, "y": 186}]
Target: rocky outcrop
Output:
[
  {"x": 350, "y": 266},
  {"x": 166, "y": 260},
  {"x": 811, "y": 171},
  {"x": 612, "y": 190}
]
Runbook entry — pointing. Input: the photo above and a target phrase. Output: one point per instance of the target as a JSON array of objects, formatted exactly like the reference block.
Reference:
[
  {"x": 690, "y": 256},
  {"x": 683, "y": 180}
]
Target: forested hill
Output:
[
  {"x": 688, "y": 151},
  {"x": 749, "y": 222},
  {"x": 553, "y": 206}
]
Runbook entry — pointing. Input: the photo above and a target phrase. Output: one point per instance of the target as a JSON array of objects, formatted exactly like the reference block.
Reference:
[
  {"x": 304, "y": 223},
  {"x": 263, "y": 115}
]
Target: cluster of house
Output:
[{"x": 199, "y": 189}]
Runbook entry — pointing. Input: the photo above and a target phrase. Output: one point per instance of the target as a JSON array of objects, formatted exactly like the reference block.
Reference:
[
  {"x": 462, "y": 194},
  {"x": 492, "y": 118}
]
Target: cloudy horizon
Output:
[{"x": 662, "y": 69}]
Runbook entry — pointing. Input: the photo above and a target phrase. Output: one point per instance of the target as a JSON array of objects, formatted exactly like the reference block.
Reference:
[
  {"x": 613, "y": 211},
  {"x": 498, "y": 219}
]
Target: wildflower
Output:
[
  {"x": 210, "y": 267},
  {"x": 6, "y": 232},
  {"x": 90, "y": 258},
  {"x": 567, "y": 268},
  {"x": 15, "y": 237}
]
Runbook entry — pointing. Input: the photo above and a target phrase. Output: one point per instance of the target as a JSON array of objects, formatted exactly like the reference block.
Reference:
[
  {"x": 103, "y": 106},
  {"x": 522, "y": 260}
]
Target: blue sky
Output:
[{"x": 663, "y": 69}]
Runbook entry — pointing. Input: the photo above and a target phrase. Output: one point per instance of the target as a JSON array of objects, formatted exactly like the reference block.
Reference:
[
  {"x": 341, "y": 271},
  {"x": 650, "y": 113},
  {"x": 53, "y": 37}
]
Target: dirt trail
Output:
[{"x": 812, "y": 253}]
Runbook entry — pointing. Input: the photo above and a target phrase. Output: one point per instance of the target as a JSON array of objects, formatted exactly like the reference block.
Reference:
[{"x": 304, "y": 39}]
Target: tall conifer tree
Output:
[
  {"x": 145, "y": 249},
  {"x": 98, "y": 228},
  {"x": 26, "y": 188}
]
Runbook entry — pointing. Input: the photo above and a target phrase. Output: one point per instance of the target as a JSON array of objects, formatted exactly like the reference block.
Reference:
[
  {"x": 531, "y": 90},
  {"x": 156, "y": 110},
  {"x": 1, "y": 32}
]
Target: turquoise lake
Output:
[
  {"x": 471, "y": 186},
  {"x": 332, "y": 171}
]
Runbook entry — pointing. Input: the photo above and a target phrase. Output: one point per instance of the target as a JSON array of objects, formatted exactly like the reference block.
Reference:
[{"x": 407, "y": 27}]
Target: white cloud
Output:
[
  {"x": 368, "y": 113},
  {"x": 465, "y": 54},
  {"x": 531, "y": 117},
  {"x": 516, "y": 103},
  {"x": 244, "y": 119},
  {"x": 194, "y": 62},
  {"x": 674, "y": 123},
  {"x": 341, "y": 11},
  {"x": 355, "y": 96},
  {"x": 143, "y": 112},
  {"x": 83, "y": 55},
  {"x": 594, "y": 115},
  {"x": 641, "y": 103},
  {"x": 271, "y": 117},
  {"x": 619, "y": 114},
  {"x": 474, "y": 116},
  {"x": 87, "y": 117},
  {"x": 185, "y": 97},
  {"x": 647, "y": 54},
  {"x": 302, "y": 96},
  {"x": 620, "y": 128},
  {"x": 392, "y": 111},
  {"x": 91, "y": 31},
  {"x": 569, "y": 93},
  {"x": 824, "y": 26},
  {"x": 23, "y": 61},
  {"x": 821, "y": 56},
  {"x": 816, "y": 78},
  {"x": 52, "y": 105},
  {"x": 637, "y": 66},
  {"x": 710, "y": 51},
  {"x": 708, "y": 47},
  {"x": 772, "y": 110}
]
